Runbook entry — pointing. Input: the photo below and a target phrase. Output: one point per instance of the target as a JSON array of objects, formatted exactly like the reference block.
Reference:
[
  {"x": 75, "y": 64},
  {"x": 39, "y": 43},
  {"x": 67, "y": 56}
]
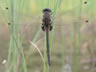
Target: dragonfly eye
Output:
[{"x": 46, "y": 10}]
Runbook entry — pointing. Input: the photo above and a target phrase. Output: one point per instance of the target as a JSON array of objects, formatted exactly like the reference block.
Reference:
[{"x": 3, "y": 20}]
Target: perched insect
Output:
[{"x": 47, "y": 26}]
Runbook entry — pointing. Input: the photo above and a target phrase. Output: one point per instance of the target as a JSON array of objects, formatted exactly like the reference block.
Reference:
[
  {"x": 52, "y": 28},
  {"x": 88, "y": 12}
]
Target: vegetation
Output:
[{"x": 72, "y": 40}]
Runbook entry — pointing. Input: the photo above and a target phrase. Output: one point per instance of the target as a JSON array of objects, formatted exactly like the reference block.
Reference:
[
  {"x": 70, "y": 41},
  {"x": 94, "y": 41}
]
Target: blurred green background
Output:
[{"x": 72, "y": 40}]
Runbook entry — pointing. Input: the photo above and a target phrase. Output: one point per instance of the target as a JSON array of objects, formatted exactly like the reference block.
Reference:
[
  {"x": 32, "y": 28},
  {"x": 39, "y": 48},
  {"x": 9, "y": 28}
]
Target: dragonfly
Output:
[{"x": 47, "y": 26}]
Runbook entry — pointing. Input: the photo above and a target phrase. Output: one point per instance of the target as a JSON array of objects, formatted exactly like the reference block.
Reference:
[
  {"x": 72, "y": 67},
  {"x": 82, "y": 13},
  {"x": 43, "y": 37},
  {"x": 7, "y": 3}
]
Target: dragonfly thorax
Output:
[{"x": 46, "y": 19}]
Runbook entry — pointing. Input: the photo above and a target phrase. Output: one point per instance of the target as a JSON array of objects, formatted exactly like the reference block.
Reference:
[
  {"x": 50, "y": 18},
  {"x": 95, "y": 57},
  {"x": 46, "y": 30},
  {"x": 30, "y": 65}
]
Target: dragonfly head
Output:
[{"x": 46, "y": 10}]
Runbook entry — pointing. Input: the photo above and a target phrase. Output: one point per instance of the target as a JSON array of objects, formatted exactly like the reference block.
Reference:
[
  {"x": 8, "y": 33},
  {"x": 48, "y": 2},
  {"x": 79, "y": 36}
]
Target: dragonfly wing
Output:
[{"x": 58, "y": 26}]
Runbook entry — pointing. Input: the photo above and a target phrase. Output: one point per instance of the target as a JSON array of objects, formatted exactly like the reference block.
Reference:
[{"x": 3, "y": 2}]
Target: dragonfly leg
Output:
[{"x": 43, "y": 28}]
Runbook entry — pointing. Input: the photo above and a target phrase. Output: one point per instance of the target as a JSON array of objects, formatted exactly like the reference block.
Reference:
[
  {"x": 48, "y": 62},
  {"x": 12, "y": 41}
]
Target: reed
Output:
[{"x": 13, "y": 11}]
